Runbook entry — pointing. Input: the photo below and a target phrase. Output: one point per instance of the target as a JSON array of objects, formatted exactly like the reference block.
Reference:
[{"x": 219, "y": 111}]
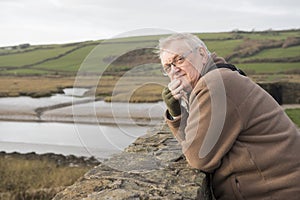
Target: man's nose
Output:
[{"x": 174, "y": 70}]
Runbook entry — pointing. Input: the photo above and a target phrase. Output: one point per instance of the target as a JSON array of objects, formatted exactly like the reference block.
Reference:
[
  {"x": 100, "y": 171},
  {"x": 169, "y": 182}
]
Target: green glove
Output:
[{"x": 173, "y": 104}]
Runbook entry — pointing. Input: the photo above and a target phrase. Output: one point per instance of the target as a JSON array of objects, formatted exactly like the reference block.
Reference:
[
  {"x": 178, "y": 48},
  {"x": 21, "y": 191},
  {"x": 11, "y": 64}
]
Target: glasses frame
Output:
[{"x": 176, "y": 61}]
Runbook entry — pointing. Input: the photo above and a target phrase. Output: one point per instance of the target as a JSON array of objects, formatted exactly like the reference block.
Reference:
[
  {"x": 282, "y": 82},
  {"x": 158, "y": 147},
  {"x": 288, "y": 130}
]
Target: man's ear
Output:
[{"x": 204, "y": 55}]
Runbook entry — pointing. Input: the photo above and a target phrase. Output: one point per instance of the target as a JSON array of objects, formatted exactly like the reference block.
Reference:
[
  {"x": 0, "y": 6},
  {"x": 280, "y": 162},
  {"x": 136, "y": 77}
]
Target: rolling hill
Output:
[
  {"x": 265, "y": 52},
  {"x": 40, "y": 70}
]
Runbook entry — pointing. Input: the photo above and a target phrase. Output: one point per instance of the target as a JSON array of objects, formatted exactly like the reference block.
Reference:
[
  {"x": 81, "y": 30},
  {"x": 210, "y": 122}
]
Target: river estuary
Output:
[{"x": 68, "y": 124}]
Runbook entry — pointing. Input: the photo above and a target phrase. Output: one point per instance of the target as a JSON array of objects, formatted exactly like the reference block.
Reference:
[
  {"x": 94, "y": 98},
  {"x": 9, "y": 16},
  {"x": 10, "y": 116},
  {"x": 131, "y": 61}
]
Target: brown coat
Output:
[{"x": 253, "y": 148}]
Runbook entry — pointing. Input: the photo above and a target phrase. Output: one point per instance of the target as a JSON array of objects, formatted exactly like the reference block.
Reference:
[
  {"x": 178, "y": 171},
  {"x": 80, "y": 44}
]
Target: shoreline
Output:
[
  {"x": 103, "y": 121},
  {"x": 64, "y": 150}
]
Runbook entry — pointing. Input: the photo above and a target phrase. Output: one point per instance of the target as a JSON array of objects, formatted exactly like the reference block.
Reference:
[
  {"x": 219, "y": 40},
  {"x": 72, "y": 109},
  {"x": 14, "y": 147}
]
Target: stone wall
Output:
[
  {"x": 153, "y": 167},
  {"x": 291, "y": 93},
  {"x": 283, "y": 92}
]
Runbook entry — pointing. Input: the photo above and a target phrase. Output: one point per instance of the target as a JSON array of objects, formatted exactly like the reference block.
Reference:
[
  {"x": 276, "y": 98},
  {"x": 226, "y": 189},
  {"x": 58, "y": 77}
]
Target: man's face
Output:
[{"x": 188, "y": 63}]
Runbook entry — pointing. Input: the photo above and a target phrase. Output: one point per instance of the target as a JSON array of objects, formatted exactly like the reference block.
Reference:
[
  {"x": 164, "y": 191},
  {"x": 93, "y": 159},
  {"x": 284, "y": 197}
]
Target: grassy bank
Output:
[
  {"x": 133, "y": 89},
  {"x": 37, "y": 177},
  {"x": 34, "y": 86},
  {"x": 294, "y": 114}
]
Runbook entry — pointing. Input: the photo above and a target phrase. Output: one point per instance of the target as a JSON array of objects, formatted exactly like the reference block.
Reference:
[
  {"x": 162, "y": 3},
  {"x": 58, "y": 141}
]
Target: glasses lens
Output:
[{"x": 179, "y": 60}]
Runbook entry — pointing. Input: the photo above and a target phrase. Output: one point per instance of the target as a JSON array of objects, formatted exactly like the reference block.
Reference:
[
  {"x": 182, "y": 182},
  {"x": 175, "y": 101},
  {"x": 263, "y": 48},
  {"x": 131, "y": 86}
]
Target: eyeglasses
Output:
[{"x": 177, "y": 61}]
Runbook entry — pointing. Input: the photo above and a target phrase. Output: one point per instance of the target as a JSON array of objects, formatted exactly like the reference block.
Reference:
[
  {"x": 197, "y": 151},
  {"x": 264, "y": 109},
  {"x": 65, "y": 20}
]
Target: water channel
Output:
[{"x": 22, "y": 132}]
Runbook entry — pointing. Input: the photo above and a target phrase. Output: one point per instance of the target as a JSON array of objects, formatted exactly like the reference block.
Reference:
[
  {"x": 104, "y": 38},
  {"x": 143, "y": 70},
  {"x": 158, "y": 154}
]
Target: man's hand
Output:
[
  {"x": 176, "y": 88},
  {"x": 173, "y": 104}
]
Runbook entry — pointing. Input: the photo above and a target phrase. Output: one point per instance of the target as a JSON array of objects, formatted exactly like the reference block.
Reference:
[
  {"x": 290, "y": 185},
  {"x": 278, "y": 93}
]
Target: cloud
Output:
[{"x": 52, "y": 21}]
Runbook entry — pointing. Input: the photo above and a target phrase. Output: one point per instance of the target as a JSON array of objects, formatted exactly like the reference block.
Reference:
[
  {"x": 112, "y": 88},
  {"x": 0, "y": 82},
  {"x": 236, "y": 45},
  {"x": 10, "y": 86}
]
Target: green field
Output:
[
  {"x": 70, "y": 62},
  {"x": 276, "y": 53},
  {"x": 223, "y": 48},
  {"x": 270, "y": 68},
  {"x": 67, "y": 58},
  {"x": 294, "y": 114},
  {"x": 272, "y": 35},
  {"x": 30, "y": 57},
  {"x": 26, "y": 72}
]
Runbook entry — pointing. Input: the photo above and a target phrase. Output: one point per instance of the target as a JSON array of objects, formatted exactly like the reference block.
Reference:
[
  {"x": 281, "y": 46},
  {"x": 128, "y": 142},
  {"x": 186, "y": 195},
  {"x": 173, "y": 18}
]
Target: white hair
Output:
[{"x": 191, "y": 40}]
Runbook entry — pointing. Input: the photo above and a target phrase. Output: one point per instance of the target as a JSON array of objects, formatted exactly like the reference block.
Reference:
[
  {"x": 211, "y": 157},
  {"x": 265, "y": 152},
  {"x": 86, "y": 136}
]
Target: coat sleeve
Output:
[
  {"x": 177, "y": 125},
  {"x": 212, "y": 127}
]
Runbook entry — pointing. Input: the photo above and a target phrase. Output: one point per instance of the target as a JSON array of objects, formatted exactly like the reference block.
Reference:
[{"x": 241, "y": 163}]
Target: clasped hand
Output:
[{"x": 171, "y": 96}]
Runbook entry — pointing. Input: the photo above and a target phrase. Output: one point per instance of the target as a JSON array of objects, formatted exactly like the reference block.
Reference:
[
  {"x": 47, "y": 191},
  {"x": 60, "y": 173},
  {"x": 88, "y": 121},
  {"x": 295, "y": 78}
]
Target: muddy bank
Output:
[{"x": 79, "y": 110}]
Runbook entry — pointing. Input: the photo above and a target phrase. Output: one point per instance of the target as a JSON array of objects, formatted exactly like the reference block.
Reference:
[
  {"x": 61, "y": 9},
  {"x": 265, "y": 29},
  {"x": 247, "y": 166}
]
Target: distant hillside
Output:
[{"x": 267, "y": 52}]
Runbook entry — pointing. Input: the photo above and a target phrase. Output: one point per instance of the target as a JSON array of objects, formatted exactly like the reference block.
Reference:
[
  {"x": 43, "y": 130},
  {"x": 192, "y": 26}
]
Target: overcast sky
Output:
[{"x": 62, "y": 21}]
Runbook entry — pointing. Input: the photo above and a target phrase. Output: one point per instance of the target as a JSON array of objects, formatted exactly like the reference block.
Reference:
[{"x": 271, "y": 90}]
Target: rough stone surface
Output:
[{"x": 153, "y": 167}]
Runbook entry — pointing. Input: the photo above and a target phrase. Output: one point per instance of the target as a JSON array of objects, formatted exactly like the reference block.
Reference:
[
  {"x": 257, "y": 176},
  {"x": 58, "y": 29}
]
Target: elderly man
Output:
[{"x": 227, "y": 125}]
